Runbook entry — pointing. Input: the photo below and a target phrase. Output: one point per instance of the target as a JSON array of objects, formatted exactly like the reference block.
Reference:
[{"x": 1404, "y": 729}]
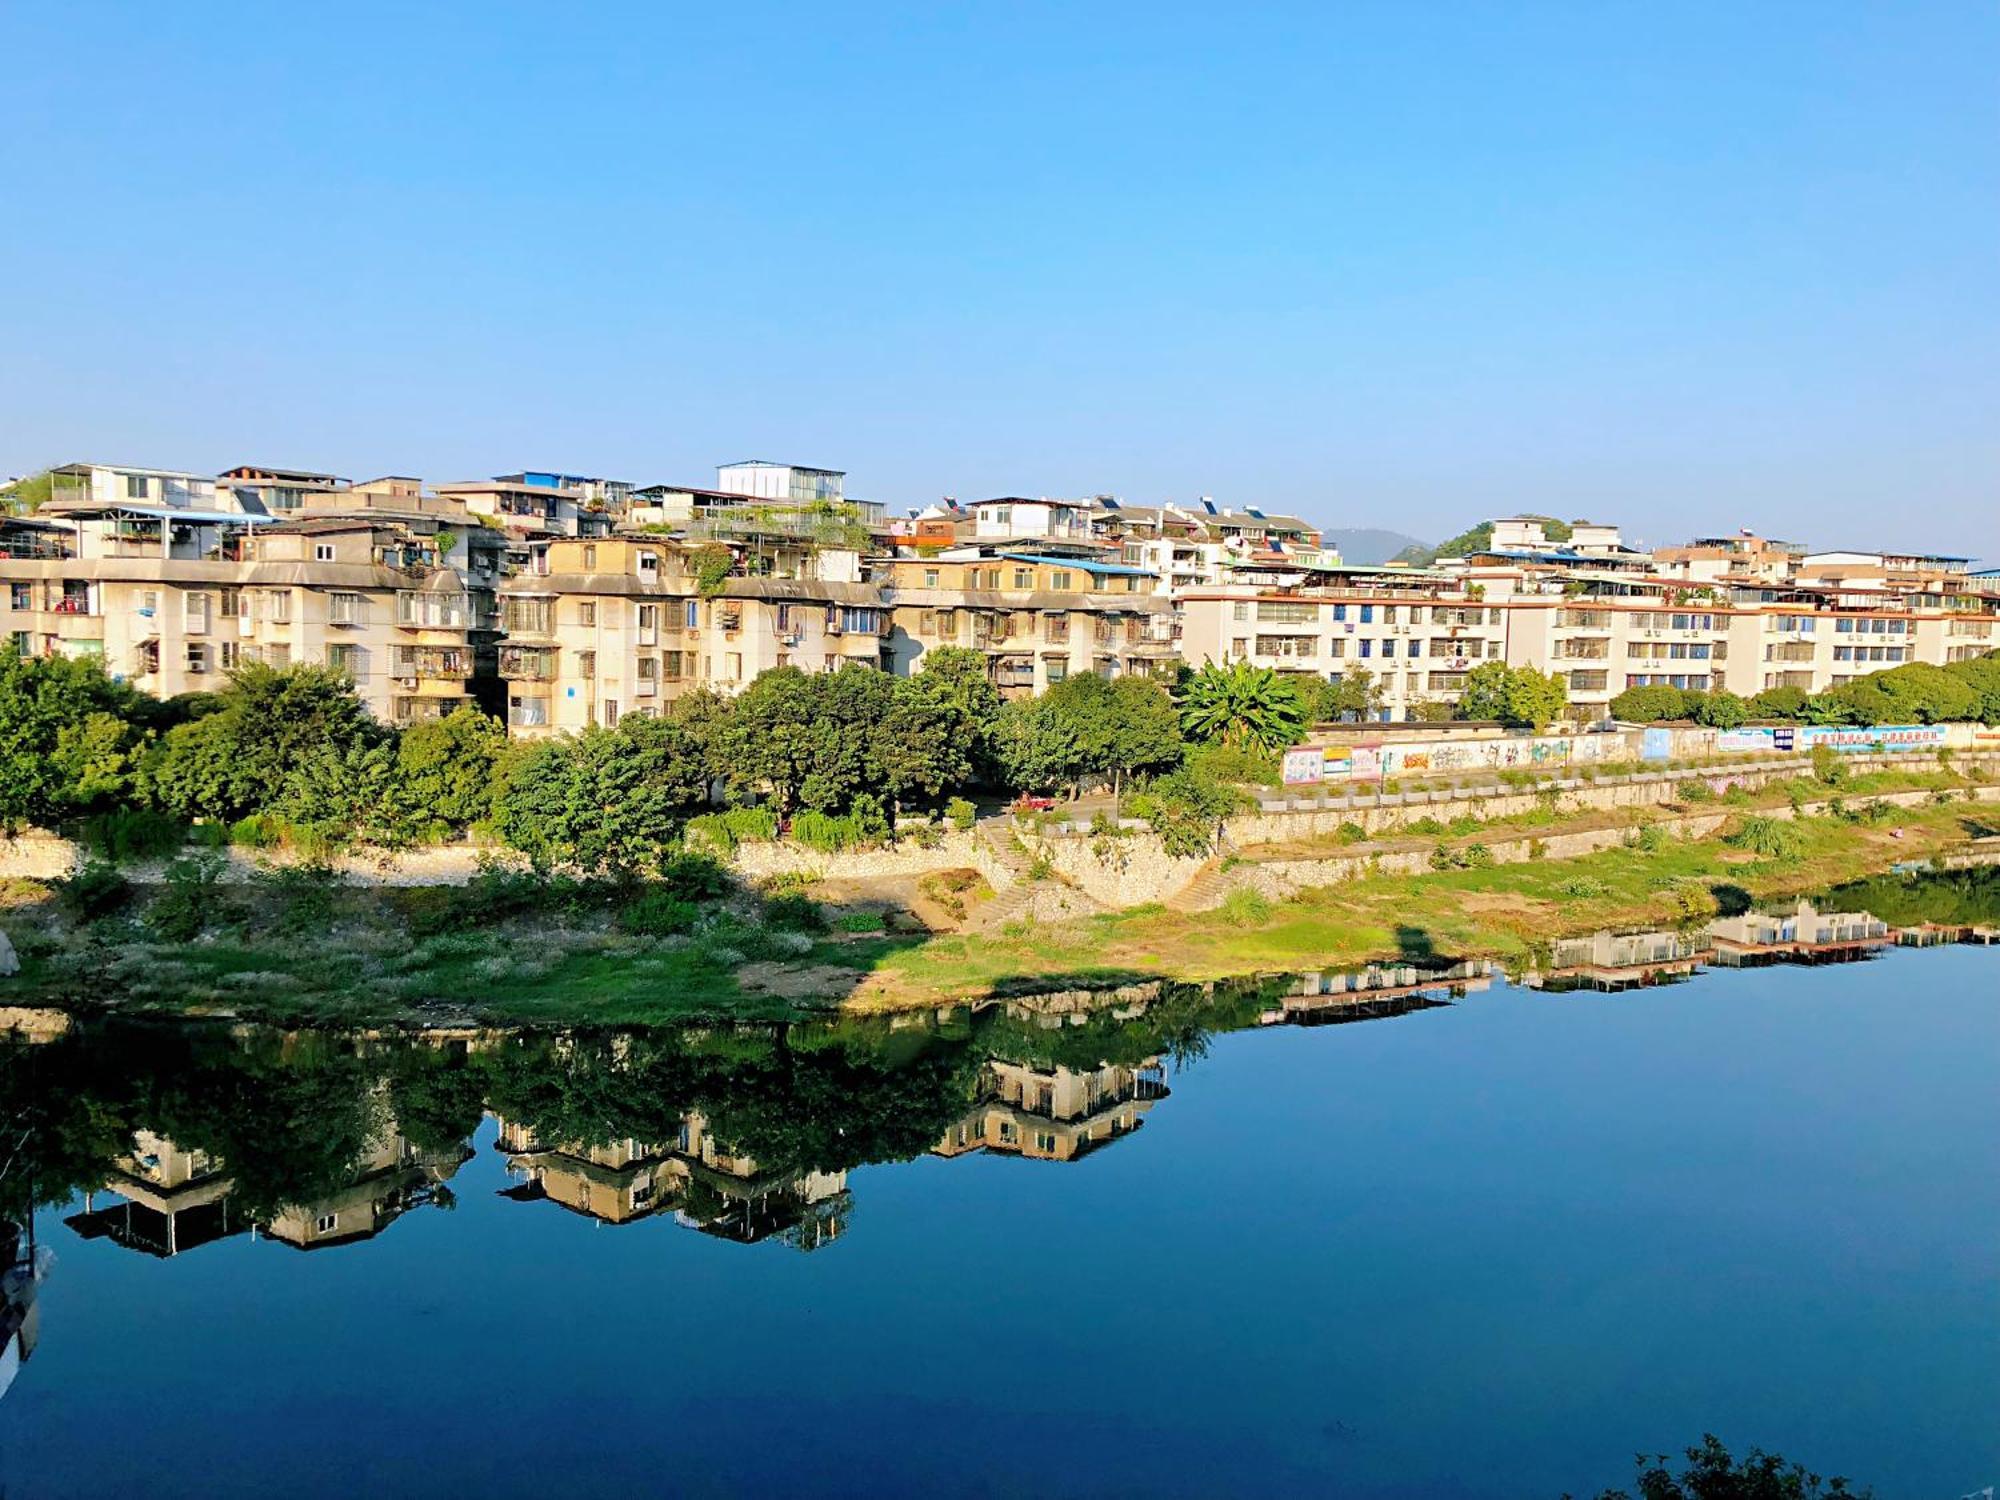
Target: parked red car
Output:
[{"x": 1026, "y": 803}]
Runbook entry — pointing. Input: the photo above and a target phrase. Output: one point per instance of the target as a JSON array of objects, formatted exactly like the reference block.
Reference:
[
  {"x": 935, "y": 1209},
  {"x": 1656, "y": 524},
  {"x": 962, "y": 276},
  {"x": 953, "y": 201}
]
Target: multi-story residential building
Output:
[
  {"x": 1420, "y": 632},
  {"x": 278, "y": 491},
  {"x": 112, "y": 484},
  {"x": 170, "y": 603},
  {"x": 597, "y": 629},
  {"x": 525, "y": 511},
  {"x": 1039, "y": 618},
  {"x": 610, "y": 496},
  {"x": 760, "y": 479}
]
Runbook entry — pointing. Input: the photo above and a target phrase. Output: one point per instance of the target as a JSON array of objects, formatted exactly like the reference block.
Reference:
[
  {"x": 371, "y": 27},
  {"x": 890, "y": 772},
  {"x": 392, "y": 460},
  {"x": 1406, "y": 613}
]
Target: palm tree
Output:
[{"x": 1242, "y": 705}]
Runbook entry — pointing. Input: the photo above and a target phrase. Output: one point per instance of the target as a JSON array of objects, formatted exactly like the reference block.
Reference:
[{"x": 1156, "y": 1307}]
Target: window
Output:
[
  {"x": 197, "y": 656},
  {"x": 693, "y": 619},
  {"x": 586, "y": 614},
  {"x": 861, "y": 621},
  {"x": 1388, "y": 614},
  {"x": 21, "y": 595},
  {"x": 649, "y": 675},
  {"x": 649, "y": 565},
  {"x": 1024, "y": 578},
  {"x": 278, "y": 606},
  {"x": 586, "y": 665},
  {"x": 326, "y": 1223},
  {"x": 228, "y": 655},
  {"x": 23, "y": 643},
  {"x": 1367, "y": 646},
  {"x": 1001, "y": 515},
  {"x": 1241, "y": 611},
  {"x": 344, "y": 659},
  {"x": 322, "y": 551},
  {"x": 528, "y": 713},
  {"x": 1045, "y": 1140},
  {"x": 732, "y": 666},
  {"x": 232, "y": 604},
  {"x": 525, "y": 616},
  {"x": 194, "y": 613},
  {"x": 649, "y": 623},
  {"x": 930, "y": 578},
  {"x": 279, "y": 657},
  {"x": 1367, "y": 614},
  {"x": 1286, "y": 612},
  {"x": 589, "y": 556},
  {"x": 345, "y": 609},
  {"x": 1061, "y": 578},
  {"x": 137, "y": 486}
]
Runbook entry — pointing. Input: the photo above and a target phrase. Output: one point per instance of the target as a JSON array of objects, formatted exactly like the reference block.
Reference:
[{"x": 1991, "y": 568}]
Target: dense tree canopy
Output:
[
  {"x": 1086, "y": 729},
  {"x": 1519, "y": 697},
  {"x": 1241, "y": 704},
  {"x": 69, "y": 738}
]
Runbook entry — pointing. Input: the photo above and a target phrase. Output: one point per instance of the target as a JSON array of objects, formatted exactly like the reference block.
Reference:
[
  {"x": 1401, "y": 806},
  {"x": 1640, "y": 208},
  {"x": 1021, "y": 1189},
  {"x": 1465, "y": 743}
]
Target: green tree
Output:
[
  {"x": 961, "y": 678},
  {"x": 448, "y": 766},
  {"x": 1721, "y": 710},
  {"x": 68, "y": 742},
  {"x": 1086, "y": 728},
  {"x": 1711, "y": 1473},
  {"x": 352, "y": 792},
  {"x": 607, "y": 801},
  {"x": 1519, "y": 697},
  {"x": 1779, "y": 703},
  {"x": 1186, "y": 808},
  {"x": 1656, "y": 703},
  {"x": 1241, "y": 704},
  {"x": 235, "y": 760},
  {"x": 1352, "y": 697}
]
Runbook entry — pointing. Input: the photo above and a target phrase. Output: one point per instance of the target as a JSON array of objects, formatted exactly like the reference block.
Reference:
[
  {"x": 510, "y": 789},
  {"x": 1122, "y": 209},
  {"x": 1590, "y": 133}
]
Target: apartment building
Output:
[
  {"x": 277, "y": 491},
  {"x": 1038, "y": 617},
  {"x": 598, "y": 629},
  {"x": 527, "y": 511},
  {"x": 1419, "y": 633},
  {"x": 170, "y": 603}
]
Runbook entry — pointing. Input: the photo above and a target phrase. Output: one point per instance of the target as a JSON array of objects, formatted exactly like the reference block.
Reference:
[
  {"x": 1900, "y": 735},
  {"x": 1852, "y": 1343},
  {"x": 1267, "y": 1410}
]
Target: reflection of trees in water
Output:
[
  {"x": 293, "y": 1116},
  {"x": 1969, "y": 898}
]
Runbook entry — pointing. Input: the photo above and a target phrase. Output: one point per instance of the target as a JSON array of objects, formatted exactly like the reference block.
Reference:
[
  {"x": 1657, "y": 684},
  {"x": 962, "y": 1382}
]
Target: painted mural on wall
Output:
[{"x": 1309, "y": 764}]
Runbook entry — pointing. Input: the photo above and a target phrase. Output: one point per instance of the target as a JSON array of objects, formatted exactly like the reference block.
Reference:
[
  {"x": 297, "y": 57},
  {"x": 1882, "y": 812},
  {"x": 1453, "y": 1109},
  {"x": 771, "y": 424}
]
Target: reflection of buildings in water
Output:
[
  {"x": 1332, "y": 996},
  {"x": 165, "y": 1200},
  {"x": 22, "y": 1267},
  {"x": 1056, "y": 1114},
  {"x": 707, "y": 1186},
  {"x": 168, "y": 1200},
  {"x": 1620, "y": 960},
  {"x": 1801, "y": 934},
  {"x": 392, "y": 1179}
]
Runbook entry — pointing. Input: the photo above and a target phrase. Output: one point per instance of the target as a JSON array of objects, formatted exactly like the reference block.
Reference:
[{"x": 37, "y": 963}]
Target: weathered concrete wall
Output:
[
  {"x": 1130, "y": 870},
  {"x": 1288, "y": 877},
  {"x": 954, "y": 851},
  {"x": 35, "y": 855}
]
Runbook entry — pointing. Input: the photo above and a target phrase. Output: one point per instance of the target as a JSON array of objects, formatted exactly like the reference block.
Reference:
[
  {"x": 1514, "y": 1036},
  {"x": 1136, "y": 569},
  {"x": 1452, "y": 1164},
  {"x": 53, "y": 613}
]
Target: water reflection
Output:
[{"x": 164, "y": 1139}]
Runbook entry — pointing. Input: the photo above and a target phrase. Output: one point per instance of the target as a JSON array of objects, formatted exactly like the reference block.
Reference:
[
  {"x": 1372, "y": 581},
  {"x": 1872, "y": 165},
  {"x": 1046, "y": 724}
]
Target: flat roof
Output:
[{"x": 1086, "y": 564}]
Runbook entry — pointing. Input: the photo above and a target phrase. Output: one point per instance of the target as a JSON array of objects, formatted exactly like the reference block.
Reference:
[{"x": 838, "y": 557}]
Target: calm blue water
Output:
[{"x": 1485, "y": 1249}]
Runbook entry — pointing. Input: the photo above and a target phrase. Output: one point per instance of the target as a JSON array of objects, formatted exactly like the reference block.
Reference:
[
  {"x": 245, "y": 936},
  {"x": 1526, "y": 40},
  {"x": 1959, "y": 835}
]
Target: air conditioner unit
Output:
[{"x": 407, "y": 684}]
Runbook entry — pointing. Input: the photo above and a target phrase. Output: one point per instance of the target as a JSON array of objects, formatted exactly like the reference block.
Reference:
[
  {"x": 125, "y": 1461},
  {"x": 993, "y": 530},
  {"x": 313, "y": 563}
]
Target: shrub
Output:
[
  {"x": 960, "y": 813},
  {"x": 133, "y": 833},
  {"x": 1828, "y": 767},
  {"x": 188, "y": 899},
  {"x": 1696, "y": 790},
  {"x": 693, "y": 876},
  {"x": 795, "y": 911},
  {"x": 1476, "y": 856},
  {"x": 94, "y": 891},
  {"x": 257, "y": 831},
  {"x": 1351, "y": 833},
  {"x": 1773, "y": 838},
  {"x": 723, "y": 831},
  {"x": 860, "y": 921},
  {"x": 1651, "y": 839},
  {"x": 303, "y": 893},
  {"x": 657, "y": 912},
  {"x": 1246, "y": 904},
  {"x": 1427, "y": 826},
  {"x": 1581, "y": 888},
  {"x": 825, "y": 832}
]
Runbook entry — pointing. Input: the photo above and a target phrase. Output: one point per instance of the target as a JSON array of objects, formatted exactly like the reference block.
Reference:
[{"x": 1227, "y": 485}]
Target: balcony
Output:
[{"x": 527, "y": 664}]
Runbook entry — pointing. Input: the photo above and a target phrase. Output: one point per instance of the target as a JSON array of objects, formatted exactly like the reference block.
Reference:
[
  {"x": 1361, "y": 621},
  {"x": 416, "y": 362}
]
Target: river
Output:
[{"x": 1410, "y": 1232}]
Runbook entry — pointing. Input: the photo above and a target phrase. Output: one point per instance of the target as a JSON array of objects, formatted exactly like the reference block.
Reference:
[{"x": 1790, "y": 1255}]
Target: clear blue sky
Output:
[{"x": 1691, "y": 266}]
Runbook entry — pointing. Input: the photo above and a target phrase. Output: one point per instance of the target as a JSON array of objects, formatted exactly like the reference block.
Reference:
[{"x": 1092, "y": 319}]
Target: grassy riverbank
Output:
[
  {"x": 511, "y": 950},
  {"x": 1506, "y": 912}
]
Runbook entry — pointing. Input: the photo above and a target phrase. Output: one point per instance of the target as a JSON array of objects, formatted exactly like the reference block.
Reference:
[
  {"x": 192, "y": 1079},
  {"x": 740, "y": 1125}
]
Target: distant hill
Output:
[{"x": 1366, "y": 545}]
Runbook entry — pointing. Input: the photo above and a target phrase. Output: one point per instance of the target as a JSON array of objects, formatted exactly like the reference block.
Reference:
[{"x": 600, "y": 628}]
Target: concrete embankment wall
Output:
[{"x": 1288, "y": 877}]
